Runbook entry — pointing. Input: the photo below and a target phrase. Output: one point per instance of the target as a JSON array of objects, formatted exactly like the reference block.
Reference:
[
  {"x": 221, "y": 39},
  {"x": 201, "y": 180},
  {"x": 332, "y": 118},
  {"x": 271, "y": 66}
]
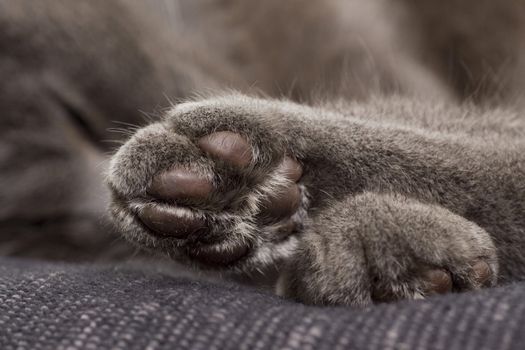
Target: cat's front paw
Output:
[
  {"x": 381, "y": 248},
  {"x": 209, "y": 184}
]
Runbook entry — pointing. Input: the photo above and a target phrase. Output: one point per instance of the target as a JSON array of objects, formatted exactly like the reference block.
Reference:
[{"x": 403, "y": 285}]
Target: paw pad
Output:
[
  {"x": 171, "y": 221},
  {"x": 176, "y": 184},
  {"x": 229, "y": 147},
  {"x": 438, "y": 282}
]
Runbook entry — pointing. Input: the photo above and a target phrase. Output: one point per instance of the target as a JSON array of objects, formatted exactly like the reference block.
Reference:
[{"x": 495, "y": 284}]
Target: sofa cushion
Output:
[{"x": 57, "y": 306}]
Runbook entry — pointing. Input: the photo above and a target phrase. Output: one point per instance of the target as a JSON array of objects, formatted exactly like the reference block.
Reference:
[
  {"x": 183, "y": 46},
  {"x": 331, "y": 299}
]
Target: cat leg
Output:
[
  {"x": 384, "y": 247},
  {"x": 229, "y": 155}
]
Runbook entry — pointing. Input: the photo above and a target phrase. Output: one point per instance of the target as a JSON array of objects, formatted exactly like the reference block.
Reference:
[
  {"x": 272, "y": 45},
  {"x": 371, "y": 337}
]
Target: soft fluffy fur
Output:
[{"x": 412, "y": 145}]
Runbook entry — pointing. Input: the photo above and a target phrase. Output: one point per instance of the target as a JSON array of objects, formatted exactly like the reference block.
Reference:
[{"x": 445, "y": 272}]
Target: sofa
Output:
[{"x": 89, "y": 306}]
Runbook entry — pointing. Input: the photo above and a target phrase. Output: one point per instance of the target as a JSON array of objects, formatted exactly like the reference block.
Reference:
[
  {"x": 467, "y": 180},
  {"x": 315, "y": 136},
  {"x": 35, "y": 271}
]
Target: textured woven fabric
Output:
[{"x": 82, "y": 307}]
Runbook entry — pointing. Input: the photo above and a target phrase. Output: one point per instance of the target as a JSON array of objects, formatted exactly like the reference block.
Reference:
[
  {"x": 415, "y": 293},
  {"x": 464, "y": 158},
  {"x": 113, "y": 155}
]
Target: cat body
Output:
[{"x": 373, "y": 181}]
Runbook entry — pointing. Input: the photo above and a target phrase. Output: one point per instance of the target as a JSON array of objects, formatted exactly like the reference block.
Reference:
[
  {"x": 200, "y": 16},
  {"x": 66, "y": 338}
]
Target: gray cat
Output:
[{"x": 393, "y": 169}]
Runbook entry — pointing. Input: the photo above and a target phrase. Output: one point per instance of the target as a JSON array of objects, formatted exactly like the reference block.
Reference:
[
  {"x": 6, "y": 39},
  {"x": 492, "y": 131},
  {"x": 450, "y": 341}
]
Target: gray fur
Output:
[
  {"x": 377, "y": 249},
  {"x": 402, "y": 171},
  {"x": 373, "y": 179}
]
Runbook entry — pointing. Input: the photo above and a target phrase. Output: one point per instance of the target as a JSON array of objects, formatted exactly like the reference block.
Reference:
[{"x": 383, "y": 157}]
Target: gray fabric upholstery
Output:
[{"x": 53, "y": 306}]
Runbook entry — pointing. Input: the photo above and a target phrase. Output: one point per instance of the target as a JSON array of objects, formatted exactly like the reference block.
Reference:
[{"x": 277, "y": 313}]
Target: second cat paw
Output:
[{"x": 381, "y": 248}]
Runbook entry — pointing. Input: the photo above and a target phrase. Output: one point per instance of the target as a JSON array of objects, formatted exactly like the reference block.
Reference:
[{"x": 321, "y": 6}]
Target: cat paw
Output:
[
  {"x": 211, "y": 186},
  {"x": 375, "y": 248}
]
